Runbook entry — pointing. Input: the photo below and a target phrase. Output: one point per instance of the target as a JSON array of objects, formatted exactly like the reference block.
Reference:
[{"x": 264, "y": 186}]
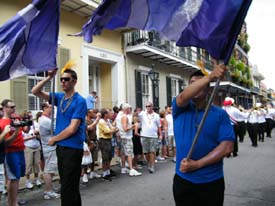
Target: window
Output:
[
  {"x": 174, "y": 86},
  {"x": 145, "y": 88},
  {"x": 94, "y": 78},
  {"x": 36, "y": 102}
]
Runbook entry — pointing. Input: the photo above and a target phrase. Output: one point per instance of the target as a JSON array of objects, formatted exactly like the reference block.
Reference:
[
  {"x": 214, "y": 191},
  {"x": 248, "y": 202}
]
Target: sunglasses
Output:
[
  {"x": 1, "y": 108},
  {"x": 66, "y": 79},
  {"x": 148, "y": 106},
  {"x": 12, "y": 107}
]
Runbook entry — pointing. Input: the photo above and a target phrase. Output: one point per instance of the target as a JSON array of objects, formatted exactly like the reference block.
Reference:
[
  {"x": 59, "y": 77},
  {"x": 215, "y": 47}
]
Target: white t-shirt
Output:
[
  {"x": 32, "y": 143},
  {"x": 169, "y": 119},
  {"x": 149, "y": 124}
]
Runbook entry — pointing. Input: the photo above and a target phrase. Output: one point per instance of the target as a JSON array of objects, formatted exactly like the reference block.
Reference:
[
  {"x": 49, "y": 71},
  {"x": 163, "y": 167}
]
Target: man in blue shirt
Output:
[
  {"x": 92, "y": 100},
  {"x": 69, "y": 133},
  {"x": 199, "y": 180}
]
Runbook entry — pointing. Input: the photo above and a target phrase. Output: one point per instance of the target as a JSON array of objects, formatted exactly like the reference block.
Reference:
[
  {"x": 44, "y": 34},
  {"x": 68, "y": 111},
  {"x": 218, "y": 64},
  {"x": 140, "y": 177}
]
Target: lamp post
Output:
[{"x": 154, "y": 76}]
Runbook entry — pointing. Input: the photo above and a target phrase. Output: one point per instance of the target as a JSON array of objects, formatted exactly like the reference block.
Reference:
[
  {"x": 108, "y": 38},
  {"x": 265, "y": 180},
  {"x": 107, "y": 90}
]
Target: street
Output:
[{"x": 250, "y": 181}]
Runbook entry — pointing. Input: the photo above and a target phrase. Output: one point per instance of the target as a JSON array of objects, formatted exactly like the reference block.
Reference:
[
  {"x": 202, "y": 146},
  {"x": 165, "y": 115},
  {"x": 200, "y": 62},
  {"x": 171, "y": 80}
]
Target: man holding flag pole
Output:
[
  {"x": 213, "y": 25},
  {"x": 199, "y": 180}
]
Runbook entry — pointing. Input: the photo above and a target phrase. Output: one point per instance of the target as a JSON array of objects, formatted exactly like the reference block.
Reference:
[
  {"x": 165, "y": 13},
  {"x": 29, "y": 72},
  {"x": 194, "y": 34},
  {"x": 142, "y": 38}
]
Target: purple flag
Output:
[
  {"x": 28, "y": 41},
  {"x": 209, "y": 24}
]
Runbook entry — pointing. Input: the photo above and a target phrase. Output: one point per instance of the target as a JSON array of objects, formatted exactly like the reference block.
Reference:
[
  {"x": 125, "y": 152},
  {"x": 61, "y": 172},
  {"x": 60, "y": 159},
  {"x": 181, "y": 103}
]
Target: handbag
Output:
[{"x": 87, "y": 156}]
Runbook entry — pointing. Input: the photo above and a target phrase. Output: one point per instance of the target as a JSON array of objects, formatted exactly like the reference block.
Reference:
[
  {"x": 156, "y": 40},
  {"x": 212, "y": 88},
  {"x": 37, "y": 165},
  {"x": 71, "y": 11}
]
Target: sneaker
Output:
[
  {"x": 50, "y": 195},
  {"x": 112, "y": 173},
  {"x": 124, "y": 170},
  {"x": 94, "y": 175},
  {"x": 28, "y": 184},
  {"x": 4, "y": 192},
  {"x": 85, "y": 178},
  {"x": 159, "y": 158},
  {"x": 174, "y": 160},
  {"x": 151, "y": 170},
  {"x": 133, "y": 172},
  {"x": 107, "y": 178},
  {"x": 37, "y": 182}
]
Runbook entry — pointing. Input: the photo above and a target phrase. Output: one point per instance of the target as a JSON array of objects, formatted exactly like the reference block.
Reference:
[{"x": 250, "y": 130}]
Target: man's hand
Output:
[
  {"x": 218, "y": 72},
  {"x": 52, "y": 73},
  {"x": 7, "y": 129},
  {"x": 188, "y": 165},
  {"x": 51, "y": 141}
]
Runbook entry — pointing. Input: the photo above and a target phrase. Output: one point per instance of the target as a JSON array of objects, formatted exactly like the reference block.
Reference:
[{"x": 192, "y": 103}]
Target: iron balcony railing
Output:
[{"x": 189, "y": 54}]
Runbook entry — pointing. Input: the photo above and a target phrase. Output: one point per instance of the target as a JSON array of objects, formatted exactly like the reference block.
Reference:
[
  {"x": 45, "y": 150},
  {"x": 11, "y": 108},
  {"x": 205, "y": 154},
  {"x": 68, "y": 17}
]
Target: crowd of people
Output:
[
  {"x": 31, "y": 149},
  {"x": 133, "y": 137}
]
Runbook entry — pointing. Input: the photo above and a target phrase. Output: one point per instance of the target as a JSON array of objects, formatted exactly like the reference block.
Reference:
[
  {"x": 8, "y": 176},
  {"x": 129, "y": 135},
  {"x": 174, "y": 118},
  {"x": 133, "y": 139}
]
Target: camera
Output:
[{"x": 25, "y": 121}]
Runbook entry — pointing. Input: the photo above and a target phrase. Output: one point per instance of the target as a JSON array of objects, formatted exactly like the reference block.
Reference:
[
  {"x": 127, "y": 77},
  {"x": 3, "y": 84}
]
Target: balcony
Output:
[
  {"x": 81, "y": 7},
  {"x": 255, "y": 90},
  {"x": 150, "y": 45}
]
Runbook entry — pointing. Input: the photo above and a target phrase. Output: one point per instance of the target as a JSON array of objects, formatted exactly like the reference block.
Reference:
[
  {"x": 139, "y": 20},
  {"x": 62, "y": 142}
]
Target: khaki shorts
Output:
[
  {"x": 127, "y": 147},
  {"x": 171, "y": 141},
  {"x": 32, "y": 158},
  {"x": 50, "y": 159},
  {"x": 149, "y": 144},
  {"x": 2, "y": 180}
]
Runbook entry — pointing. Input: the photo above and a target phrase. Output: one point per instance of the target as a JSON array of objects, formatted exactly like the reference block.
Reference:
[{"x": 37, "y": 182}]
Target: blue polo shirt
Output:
[
  {"x": 217, "y": 128},
  {"x": 76, "y": 110}
]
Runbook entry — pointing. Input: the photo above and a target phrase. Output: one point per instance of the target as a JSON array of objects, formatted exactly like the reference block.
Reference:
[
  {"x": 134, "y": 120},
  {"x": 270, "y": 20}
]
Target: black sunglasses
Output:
[
  {"x": 66, "y": 79},
  {"x": 1, "y": 108},
  {"x": 148, "y": 106},
  {"x": 12, "y": 107}
]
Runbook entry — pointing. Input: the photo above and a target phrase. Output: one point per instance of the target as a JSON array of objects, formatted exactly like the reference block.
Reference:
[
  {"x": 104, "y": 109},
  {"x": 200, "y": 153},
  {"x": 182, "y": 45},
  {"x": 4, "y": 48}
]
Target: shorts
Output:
[
  {"x": 149, "y": 144},
  {"x": 127, "y": 147},
  {"x": 50, "y": 159},
  {"x": 94, "y": 150},
  {"x": 32, "y": 157},
  {"x": 105, "y": 146},
  {"x": 171, "y": 141},
  {"x": 15, "y": 165},
  {"x": 2, "y": 179}
]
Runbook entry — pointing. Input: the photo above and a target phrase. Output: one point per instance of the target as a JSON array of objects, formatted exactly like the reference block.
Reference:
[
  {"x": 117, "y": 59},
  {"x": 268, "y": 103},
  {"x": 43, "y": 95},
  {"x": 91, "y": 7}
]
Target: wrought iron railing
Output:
[{"x": 152, "y": 39}]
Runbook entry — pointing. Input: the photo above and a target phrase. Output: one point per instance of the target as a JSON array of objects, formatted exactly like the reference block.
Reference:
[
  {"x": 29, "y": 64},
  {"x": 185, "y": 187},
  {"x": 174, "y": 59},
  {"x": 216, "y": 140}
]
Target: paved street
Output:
[{"x": 250, "y": 181}]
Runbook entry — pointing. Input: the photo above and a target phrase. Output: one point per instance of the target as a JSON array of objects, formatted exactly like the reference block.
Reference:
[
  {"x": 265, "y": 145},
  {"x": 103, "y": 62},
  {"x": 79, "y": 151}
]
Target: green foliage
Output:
[
  {"x": 241, "y": 66},
  {"x": 246, "y": 48}
]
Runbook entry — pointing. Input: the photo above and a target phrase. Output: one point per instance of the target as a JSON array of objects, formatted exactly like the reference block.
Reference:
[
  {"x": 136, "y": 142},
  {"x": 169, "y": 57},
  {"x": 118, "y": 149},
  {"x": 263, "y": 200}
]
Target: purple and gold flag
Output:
[
  {"x": 209, "y": 24},
  {"x": 28, "y": 41}
]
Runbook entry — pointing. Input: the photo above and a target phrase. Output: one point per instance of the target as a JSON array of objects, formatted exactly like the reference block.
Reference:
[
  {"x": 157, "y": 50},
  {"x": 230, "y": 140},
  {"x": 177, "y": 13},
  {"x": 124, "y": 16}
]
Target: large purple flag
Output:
[
  {"x": 210, "y": 24},
  {"x": 28, "y": 41}
]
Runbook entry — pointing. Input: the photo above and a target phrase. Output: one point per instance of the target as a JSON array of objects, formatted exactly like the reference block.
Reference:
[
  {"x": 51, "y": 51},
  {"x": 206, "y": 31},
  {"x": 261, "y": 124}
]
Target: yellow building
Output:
[{"x": 100, "y": 65}]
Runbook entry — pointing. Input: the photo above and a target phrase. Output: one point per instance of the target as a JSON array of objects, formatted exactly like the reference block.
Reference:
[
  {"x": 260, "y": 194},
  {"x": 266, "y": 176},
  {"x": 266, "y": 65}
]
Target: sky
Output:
[{"x": 261, "y": 37}]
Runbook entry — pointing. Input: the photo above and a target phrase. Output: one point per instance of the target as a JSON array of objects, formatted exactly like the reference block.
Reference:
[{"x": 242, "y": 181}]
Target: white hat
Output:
[
  {"x": 126, "y": 106},
  {"x": 258, "y": 104},
  {"x": 229, "y": 99}
]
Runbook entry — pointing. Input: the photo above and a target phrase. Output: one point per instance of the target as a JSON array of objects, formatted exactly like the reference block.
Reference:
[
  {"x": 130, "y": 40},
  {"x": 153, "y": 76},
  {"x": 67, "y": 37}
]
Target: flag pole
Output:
[
  {"x": 213, "y": 94},
  {"x": 52, "y": 101}
]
